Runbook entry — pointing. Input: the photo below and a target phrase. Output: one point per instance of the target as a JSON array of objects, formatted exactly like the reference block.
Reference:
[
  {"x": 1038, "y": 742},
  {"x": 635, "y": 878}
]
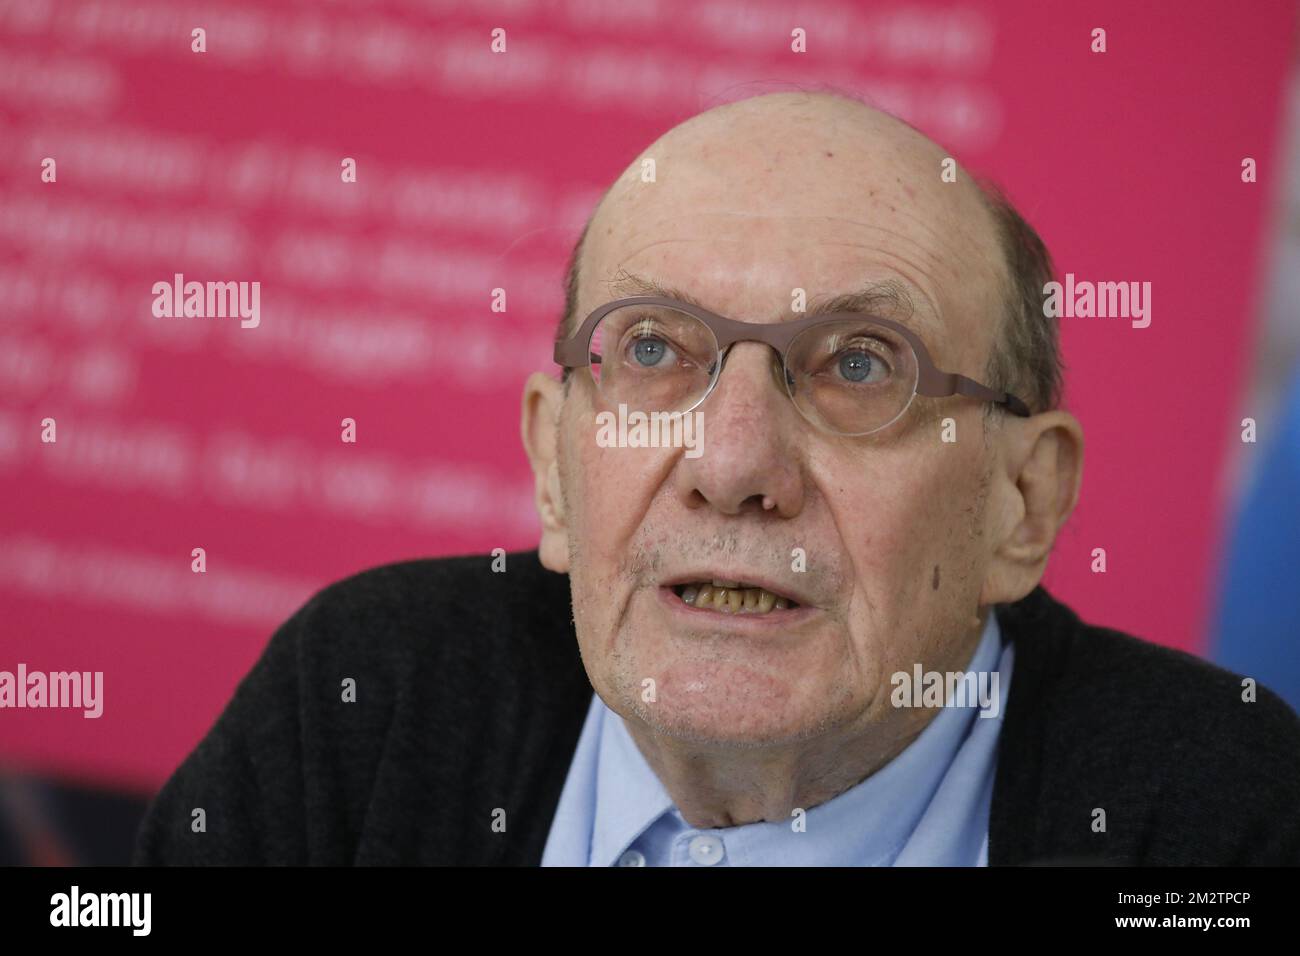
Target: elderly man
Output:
[{"x": 818, "y": 636}]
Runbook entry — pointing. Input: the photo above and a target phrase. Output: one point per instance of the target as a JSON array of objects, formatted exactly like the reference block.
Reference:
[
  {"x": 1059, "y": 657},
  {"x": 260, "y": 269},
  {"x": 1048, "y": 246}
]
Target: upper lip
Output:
[{"x": 749, "y": 578}]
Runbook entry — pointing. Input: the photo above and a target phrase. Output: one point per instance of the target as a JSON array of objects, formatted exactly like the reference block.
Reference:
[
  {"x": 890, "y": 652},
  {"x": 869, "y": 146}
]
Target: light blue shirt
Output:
[{"x": 929, "y": 806}]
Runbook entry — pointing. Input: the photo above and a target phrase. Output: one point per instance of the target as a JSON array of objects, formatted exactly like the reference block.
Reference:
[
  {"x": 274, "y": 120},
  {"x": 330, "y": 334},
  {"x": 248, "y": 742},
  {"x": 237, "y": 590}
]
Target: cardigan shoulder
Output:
[
  {"x": 1115, "y": 749},
  {"x": 422, "y": 711}
]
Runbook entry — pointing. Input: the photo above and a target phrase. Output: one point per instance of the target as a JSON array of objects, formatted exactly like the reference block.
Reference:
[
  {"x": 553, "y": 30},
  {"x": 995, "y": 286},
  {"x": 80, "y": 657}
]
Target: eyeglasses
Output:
[{"x": 849, "y": 373}]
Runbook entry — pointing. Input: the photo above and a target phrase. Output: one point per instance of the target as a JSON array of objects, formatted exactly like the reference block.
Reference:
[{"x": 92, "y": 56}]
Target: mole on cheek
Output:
[{"x": 934, "y": 583}]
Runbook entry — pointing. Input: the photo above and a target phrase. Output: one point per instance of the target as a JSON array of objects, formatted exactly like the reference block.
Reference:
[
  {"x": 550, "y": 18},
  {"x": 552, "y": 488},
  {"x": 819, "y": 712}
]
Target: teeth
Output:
[{"x": 731, "y": 597}]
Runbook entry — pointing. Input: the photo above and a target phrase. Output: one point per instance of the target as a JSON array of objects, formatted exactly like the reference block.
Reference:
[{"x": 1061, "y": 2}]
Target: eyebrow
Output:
[
  {"x": 887, "y": 298},
  {"x": 626, "y": 284}
]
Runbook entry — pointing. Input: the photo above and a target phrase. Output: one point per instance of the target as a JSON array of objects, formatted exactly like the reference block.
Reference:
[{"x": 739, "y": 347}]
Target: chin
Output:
[{"x": 730, "y": 705}]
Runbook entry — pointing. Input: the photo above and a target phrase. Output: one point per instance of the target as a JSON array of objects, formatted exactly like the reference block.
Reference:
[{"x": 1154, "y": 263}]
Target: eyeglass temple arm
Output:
[
  {"x": 568, "y": 354},
  {"x": 961, "y": 385}
]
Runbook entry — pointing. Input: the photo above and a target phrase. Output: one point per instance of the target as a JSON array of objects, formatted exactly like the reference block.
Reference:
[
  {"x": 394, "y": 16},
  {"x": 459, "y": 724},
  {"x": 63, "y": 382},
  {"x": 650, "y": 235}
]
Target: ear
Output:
[
  {"x": 1036, "y": 486},
  {"x": 539, "y": 425}
]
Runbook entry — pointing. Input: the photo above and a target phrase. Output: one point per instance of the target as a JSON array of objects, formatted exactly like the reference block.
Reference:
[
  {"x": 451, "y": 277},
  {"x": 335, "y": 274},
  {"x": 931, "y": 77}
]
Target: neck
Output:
[
  {"x": 727, "y": 787},
  {"x": 718, "y": 785}
]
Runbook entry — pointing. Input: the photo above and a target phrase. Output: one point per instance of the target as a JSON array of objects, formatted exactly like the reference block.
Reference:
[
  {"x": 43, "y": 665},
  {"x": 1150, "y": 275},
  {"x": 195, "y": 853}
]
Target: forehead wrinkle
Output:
[
  {"x": 892, "y": 292},
  {"x": 663, "y": 242},
  {"x": 920, "y": 305},
  {"x": 961, "y": 212},
  {"x": 975, "y": 246},
  {"x": 930, "y": 257},
  {"x": 918, "y": 276},
  {"x": 962, "y": 229},
  {"x": 624, "y": 283},
  {"x": 897, "y": 261},
  {"x": 930, "y": 260}
]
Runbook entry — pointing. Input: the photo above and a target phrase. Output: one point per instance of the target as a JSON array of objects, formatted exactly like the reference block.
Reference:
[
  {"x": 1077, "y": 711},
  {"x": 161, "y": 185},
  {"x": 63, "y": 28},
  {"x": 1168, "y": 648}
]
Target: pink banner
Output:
[{"x": 475, "y": 171}]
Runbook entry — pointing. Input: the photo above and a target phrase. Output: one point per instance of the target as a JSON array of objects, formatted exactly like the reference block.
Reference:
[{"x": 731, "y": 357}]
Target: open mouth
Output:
[{"x": 731, "y": 597}]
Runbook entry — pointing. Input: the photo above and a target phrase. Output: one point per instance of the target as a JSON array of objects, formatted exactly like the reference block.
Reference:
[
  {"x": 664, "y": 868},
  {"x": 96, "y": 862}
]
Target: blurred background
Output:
[{"x": 476, "y": 170}]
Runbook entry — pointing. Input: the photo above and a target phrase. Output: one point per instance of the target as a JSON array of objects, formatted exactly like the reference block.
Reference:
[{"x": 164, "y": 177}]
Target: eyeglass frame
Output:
[{"x": 931, "y": 381}]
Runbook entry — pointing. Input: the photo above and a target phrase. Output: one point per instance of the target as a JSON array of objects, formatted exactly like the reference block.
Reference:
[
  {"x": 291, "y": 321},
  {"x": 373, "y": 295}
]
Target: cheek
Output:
[
  {"x": 607, "y": 493},
  {"x": 911, "y": 533}
]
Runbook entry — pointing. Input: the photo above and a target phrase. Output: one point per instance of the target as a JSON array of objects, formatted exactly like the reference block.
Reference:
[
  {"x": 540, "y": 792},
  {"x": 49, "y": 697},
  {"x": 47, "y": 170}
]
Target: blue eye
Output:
[
  {"x": 855, "y": 366},
  {"x": 649, "y": 352}
]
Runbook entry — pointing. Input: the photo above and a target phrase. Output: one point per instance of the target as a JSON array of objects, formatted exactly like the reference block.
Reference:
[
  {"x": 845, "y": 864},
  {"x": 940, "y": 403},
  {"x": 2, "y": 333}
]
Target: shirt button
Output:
[
  {"x": 632, "y": 858},
  {"x": 706, "y": 850}
]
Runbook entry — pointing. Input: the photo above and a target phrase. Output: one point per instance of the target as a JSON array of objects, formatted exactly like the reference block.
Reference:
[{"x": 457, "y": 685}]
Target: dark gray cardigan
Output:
[{"x": 470, "y": 696}]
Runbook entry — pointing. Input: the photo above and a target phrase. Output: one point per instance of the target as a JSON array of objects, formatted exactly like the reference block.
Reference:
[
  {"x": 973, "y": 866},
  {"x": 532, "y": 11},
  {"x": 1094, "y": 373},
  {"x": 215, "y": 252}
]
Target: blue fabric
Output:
[
  {"x": 929, "y": 806},
  {"x": 1257, "y": 624}
]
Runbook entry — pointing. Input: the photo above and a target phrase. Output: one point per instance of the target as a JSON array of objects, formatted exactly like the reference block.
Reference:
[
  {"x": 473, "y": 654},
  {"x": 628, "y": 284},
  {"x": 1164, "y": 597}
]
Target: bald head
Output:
[{"x": 820, "y": 174}]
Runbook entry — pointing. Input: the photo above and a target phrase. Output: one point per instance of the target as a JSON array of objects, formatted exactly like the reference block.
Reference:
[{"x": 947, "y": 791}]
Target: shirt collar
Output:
[{"x": 629, "y": 794}]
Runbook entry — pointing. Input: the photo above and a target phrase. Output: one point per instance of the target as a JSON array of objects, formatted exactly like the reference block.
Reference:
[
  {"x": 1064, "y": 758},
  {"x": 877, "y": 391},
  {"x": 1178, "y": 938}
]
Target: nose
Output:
[{"x": 753, "y": 436}]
